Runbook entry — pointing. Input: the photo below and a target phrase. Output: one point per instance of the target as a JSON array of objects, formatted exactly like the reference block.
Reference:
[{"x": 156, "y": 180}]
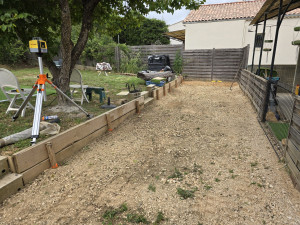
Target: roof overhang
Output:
[
  {"x": 271, "y": 8},
  {"x": 178, "y": 34}
]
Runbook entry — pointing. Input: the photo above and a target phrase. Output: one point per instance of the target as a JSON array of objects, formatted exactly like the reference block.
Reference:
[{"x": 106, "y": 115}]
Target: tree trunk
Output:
[
  {"x": 71, "y": 53},
  {"x": 63, "y": 80}
]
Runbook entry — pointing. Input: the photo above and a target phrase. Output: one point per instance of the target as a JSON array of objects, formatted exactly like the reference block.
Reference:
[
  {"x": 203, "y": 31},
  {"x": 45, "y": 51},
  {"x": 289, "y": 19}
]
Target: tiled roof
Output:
[{"x": 228, "y": 11}]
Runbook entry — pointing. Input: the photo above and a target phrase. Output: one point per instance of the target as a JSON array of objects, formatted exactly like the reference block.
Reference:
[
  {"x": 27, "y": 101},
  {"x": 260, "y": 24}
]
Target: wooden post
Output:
[
  {"x": 108, "y": 120},
  {"x": 169, "y": 87},
  {"x": 176, "y": 83},
  {"x": 212, "y": 63},
  {"x": 11, "y": 164},
  {"x": 164, "y": 89},
  {"x": 157, "y": 94},
  {"x": 51, "y": 155},
  {"x": 137, "y": 105}
]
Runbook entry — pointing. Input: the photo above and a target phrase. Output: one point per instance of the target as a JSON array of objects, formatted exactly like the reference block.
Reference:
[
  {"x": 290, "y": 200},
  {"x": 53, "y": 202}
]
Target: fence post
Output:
[
  {"x": 290, "y": 124},
  {"x": 266, "y": 102},
  {"x": 117, "y": 58},
  {"x": 212, "y": 64}
]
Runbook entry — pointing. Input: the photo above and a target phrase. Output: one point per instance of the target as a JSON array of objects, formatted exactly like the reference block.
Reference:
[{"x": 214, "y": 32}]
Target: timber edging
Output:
[{"x": 34, "y": 160}]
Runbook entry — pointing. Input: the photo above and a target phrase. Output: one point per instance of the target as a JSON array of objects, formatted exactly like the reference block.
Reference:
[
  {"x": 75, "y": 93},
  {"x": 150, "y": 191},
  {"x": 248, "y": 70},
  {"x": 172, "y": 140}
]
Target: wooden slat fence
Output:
[
  {"x": 255, "y": 88},
  {"x": 146, "y": 50},
  {"x": 214, "y": 64},
  {"x": 292, "y": 154}
]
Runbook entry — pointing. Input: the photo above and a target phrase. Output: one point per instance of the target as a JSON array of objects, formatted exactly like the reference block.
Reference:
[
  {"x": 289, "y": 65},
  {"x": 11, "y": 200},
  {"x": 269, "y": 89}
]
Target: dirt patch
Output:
[{"x": 198, "y": 156}]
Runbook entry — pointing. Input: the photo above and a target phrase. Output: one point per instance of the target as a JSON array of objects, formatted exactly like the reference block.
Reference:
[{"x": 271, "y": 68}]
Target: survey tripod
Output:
[{"x": 38, "y": 46}]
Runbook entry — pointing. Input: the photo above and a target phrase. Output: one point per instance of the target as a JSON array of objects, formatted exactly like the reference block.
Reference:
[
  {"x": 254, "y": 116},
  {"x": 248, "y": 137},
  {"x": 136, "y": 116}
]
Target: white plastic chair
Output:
[
  {"x": 10, "y": 87},
  {"x": 77, "y": 78}
]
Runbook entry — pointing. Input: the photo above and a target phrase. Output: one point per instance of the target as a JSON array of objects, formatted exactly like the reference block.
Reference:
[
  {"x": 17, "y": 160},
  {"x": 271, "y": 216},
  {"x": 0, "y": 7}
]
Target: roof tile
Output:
[{"x": 228, "y": 11}]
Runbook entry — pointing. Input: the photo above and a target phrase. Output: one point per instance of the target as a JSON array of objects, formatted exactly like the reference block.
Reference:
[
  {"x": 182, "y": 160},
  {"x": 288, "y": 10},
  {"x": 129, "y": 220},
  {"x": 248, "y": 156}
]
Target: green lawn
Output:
[
  {"x": 113, "y": 84},
  {"x": 279, "y": 129}
]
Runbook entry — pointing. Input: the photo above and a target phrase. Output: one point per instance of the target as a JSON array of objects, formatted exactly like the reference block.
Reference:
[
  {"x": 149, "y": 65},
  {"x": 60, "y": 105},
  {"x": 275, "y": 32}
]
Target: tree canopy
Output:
[
  {"x": 52, "y": 20},
  {"x": 150, "y": 31}
]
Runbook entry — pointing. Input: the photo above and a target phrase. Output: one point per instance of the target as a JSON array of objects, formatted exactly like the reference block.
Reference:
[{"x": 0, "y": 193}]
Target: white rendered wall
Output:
[
  {"x": 174, "y": 27},
  {"x": 235, "y": 34}
]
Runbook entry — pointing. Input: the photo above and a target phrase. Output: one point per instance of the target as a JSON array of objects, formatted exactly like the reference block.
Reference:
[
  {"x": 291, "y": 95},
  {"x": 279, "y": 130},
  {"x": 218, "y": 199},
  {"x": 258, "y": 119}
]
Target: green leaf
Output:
[{"x": 3, "y": 27}]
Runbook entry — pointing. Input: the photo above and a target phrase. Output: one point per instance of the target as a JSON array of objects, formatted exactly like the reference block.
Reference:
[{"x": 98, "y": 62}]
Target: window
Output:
[{"x": 259, "y": 40}]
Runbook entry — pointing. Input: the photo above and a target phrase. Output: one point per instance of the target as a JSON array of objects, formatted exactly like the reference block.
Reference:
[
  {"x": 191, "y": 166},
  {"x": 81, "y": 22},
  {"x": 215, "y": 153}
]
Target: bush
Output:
[
  {"x": 132, "y": 64},
  {"x": 178, "y": 63},
  {"x": 12, "y": 51}
]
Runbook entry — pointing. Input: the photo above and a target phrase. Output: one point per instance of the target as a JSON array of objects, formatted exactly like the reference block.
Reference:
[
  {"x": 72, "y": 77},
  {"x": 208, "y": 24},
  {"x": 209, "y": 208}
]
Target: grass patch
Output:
[
  {"x": 185, "y": 194},
  {"x": 113, "y": 84},
  {"x": 280, "y": 130}
]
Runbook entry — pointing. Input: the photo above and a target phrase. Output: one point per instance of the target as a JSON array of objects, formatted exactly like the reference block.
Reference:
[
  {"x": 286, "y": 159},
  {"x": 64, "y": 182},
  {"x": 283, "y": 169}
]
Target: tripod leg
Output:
[
  {"x": 37, "y": 113},
  {"x": 17, "y": 114},
  {"x": 71, "y": 100}
]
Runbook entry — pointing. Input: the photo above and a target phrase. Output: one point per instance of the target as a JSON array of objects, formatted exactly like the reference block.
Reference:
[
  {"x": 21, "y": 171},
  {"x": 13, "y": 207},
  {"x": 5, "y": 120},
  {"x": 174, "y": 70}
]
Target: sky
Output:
[{"x": 181, "y": 14}]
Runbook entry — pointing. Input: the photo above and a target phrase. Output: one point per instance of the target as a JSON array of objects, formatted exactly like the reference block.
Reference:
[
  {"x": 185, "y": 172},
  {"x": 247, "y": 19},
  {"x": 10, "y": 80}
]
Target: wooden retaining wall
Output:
[
  {"x": 292, "y": 153},
  {"x": 32, "y": 161},
  {"x": 255, "y": 88},
  {"x": 214, "y": 64}
]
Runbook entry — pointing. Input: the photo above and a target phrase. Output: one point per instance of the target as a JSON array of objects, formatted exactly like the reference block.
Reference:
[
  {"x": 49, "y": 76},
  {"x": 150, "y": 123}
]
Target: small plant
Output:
[
  {"x": 185, "y": 194},
  {"x": 178, "y": 63},
  {"x": 136, "y": 218},
  {"x": 197, "y": 168},
  {"x": 230, "y": 171},
  {"x": 157, "y": 177},
  {"x": 151, "y": 187},
  {"x": 176, "y": 174},
  {"x": 260, "y": 185},
  {"x": 160, "y": 217},
  {"x": 233, "y": 176},
  {"x": 207, "y": 187},
  {"x": 110, "y": 214},
  {"x": 217, "y": 180},
  {"x": 253, "y": 164}
]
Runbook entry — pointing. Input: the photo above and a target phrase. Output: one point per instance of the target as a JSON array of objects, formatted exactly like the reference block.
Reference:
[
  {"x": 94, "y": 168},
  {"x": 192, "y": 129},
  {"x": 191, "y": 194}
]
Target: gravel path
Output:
[{"x": 198, "y": 156}]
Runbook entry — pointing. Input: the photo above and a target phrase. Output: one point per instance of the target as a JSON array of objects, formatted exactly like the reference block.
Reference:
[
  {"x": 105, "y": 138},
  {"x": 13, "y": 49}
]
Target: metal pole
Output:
[
  {"x": 254, "y": 48},
  {"x": 263, "y": 39},
  {"x": 276, "y": 38}
]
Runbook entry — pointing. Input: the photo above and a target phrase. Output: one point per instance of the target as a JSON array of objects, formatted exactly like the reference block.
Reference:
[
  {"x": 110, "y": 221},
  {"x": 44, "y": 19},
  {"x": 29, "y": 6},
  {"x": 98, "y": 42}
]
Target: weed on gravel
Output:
[
  {"x": 111, "y": 214},
  {"x": 177, "y": 174},
  {"x": 160, "y": 217},
  {"x": 151, "y": 187},
  {"x": 137, "y": 218},
  {"x": 185, "y": 194}
]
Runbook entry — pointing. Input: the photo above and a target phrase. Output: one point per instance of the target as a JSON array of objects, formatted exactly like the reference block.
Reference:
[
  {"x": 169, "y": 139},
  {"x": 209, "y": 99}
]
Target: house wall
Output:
[
  {"x": 208, "y": 35},
  {"x": 174, "y": 27},
  {"x": 234, "y": 34}
]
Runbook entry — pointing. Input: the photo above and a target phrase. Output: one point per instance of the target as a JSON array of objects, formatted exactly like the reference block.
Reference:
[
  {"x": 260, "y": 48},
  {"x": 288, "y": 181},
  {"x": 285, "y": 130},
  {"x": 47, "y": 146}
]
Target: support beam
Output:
[
  {"x": 276, "y": 38},
  {"x": 256, "y": 26},
  {"x": 263, "y": 40}
]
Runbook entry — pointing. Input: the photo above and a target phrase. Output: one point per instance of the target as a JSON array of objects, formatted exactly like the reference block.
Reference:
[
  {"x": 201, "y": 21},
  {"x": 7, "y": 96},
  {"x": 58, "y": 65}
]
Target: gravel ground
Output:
[{"x": 198, "y": 156}]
